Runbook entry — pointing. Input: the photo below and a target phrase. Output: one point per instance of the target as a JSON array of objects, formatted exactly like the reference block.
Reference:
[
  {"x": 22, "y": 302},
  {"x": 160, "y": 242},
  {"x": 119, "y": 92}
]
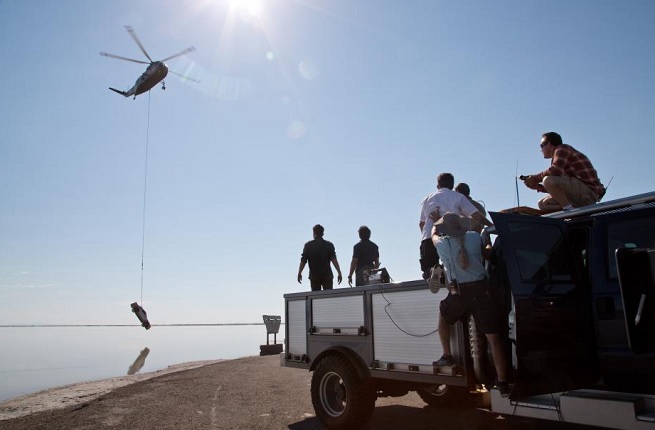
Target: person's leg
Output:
[
  {"x": 429, "y": 257},
  {"x": 488, "y": 321},
  {"x": 548, "y": 204},
  {"x": 579, "y": 193},
  {"x": 359, "y": 278},
  {"x": 556, "y": 186},
  {"x": 567, "y": 190},
  {"x": 498, "y": 352},
  {"x": 444, "y": 335},
  {"x": 315, "y": 284},
  {"x": 328, "y": 282}
]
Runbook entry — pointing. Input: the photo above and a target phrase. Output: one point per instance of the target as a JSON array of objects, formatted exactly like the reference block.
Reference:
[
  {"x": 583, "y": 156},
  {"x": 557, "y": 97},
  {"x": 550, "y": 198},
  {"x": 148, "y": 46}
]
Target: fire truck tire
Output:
[
  {"x": 439, "y": 396},
  {"x": 341, "y": 398}
]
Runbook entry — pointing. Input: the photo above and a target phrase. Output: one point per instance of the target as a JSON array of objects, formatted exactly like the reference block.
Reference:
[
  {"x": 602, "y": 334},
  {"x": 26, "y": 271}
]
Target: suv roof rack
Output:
[{"x": 612, "y": 205}]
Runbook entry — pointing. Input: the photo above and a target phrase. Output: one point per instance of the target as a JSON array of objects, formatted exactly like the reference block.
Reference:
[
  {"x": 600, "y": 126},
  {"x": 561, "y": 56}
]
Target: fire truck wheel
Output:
[
  {"x": 341, "y": 398},
  {"x": 439, "y": 396}
]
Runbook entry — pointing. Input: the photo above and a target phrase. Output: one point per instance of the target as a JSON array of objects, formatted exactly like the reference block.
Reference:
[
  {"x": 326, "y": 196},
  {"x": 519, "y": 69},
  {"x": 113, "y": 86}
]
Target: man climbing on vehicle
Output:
[
  {"x": 461, "y": 252},
  {"x": 433, "y": 207}
]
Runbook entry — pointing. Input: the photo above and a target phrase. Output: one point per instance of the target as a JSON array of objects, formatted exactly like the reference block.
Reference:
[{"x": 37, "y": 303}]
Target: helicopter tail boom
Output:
[{"x": 123, "y": 93}]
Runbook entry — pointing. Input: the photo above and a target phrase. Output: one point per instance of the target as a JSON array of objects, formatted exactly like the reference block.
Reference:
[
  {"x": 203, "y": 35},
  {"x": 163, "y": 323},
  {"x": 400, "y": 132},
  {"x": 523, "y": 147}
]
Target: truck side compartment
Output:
[{"x": 392, "y": 328}]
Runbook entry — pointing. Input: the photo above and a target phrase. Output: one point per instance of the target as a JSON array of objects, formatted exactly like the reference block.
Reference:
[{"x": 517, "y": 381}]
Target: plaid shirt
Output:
[{"x": 570, "y": 162}]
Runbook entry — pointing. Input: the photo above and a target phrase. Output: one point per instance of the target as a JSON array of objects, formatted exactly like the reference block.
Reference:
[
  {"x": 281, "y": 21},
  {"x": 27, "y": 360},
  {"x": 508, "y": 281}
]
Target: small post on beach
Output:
[{"x": 272, "y": 323}]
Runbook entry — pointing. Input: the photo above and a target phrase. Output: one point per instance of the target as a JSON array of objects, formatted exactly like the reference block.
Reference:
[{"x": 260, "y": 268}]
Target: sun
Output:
[{"x": 253, "y": 8}]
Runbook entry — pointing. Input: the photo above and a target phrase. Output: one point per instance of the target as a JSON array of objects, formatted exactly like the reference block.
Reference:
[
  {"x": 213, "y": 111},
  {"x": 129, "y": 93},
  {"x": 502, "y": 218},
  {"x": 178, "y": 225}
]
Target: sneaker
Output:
[
  {"x": 437, "y": 279},
  {"x": 503, "y": 388},
  {"x": 445, "y": 361}
]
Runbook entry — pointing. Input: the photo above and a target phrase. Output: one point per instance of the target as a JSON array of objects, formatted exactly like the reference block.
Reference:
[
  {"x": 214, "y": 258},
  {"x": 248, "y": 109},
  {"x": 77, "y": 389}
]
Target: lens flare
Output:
[{"x": 251, "y": 8}]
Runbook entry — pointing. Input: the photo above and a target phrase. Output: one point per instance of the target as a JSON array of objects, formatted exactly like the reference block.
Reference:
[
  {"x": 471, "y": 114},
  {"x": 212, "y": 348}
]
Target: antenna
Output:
[
  {"x": 608, "y": 184},
  {"x": 516, "y": 183},
  {"x": 602, "y": 194}
]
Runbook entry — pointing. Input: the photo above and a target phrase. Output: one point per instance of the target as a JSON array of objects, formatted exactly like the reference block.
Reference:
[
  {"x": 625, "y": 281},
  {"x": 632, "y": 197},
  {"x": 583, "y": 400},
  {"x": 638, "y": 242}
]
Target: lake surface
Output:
[{"x": 36, "y": 358}]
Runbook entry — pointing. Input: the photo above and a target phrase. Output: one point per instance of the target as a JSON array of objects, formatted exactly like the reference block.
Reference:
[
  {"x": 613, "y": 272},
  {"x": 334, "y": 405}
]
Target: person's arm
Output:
[
  {"x": 434, "y": 235},
  {"x": 422, "y": 217},
  {"x": 467, "y": 208},
  {"x": 561, "y": 158},
  {"x": 481, "y": 218},
  {"x": 303, "y": 261},
  {"x": 353, "y": 265},
  {"x": 479, "y": 207},
  {"x": 336, "y": 266},
  {"x": 486, "y": 250},
  {"x": 376, "y": 262},
  {"x": 435, "y": 215}
]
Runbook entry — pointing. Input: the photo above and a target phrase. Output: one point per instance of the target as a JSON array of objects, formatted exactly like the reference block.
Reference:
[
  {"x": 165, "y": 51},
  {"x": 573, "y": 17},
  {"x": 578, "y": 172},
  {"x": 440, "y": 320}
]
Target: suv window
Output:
[
  {"x": 628, "y": 233},
  {"x": 542, "y": 256}
]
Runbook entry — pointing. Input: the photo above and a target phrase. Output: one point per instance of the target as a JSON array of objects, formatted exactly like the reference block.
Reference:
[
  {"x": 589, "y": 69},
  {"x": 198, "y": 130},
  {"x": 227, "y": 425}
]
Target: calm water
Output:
[{"x": 36, "y": 358}]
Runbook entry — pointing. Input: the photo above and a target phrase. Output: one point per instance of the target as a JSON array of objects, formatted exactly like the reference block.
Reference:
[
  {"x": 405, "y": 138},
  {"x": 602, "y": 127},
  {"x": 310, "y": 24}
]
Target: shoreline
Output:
[
  {"x": 252, "y": 392},
  {"x": 73, "y": 394}
]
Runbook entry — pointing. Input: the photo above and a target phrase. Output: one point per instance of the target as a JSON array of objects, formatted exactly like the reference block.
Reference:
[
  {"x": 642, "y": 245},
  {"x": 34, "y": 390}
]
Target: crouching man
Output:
[{"x": 571, "y": 180}]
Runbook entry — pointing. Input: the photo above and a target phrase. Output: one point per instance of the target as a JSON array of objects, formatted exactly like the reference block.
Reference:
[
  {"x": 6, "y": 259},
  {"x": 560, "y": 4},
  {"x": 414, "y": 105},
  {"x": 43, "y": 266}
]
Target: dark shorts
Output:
[
  {"x": 325, "y": 281},
  {"x": 428, "y": 255},
  {"x": 473, "y": 299}
]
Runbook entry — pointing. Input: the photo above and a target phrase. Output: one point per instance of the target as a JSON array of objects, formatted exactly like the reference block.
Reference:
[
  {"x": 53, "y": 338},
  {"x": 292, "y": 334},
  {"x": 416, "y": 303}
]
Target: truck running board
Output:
[{"x": 588, "y": 407}]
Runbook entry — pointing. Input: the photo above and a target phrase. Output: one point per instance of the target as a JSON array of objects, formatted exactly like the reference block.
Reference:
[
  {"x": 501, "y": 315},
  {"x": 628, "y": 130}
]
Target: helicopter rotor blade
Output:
[
  {"x": 104, "y": 54},
  {"x": 184, "y": 77},
  {"x": 186, "y": 51},
  {"x": 138, "y": 42}
]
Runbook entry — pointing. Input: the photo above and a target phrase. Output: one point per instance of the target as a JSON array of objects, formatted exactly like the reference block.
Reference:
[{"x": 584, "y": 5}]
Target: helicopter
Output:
[{"x": 155, "y": 72}]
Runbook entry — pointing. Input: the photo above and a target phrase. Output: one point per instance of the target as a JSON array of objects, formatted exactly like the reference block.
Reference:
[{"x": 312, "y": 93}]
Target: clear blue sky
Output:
[{"x": 339, "y": 112}]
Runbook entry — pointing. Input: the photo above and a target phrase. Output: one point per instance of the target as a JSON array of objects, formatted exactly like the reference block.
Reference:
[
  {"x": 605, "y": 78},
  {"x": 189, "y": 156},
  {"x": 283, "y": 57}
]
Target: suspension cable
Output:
[{"x": 145, "y": 188}]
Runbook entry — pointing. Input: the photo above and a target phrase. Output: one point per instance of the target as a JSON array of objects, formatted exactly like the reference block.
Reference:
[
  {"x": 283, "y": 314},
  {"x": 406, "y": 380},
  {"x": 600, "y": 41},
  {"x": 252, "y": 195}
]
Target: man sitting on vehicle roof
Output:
[{"x": 571, "y": 180}]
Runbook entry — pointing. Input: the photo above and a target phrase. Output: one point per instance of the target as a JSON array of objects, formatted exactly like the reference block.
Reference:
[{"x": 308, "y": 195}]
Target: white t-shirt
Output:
[{"x": 445, "y": 200}]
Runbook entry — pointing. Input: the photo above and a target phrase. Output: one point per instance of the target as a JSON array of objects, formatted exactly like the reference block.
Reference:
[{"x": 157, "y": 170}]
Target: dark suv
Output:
[{"x": 583, "y": 289}]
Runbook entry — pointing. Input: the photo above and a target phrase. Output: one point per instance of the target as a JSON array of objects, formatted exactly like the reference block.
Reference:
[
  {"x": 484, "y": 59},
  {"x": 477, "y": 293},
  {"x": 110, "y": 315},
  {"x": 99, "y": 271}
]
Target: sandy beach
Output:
[{"x": 245, "y": 393}]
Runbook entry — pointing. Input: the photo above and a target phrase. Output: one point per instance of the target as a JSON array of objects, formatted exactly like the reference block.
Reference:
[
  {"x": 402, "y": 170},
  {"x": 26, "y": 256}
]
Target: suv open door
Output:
[{"x": 555, "y": 346}]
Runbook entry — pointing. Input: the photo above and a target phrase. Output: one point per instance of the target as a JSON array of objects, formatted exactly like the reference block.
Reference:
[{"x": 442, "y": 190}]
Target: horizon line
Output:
[{"x": 126, "y": 325}]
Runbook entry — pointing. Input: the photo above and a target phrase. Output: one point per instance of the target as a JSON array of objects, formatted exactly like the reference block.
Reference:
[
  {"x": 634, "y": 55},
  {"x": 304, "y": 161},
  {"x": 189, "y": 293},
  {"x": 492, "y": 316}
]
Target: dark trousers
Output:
[
  {"x": 429, "y": 257},
  {"x": 325, "y": 281}
]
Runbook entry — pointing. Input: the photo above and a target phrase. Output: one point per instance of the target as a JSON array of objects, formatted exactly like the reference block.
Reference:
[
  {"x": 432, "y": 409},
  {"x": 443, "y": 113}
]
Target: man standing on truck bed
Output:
[
  {"x": 571, "y": 180},
  {"x": 319, "y": 253},
  {"x": 366, "y": 256},
  {"x": 461, "y": 252},
  {"x": 432, "y": 207}
]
